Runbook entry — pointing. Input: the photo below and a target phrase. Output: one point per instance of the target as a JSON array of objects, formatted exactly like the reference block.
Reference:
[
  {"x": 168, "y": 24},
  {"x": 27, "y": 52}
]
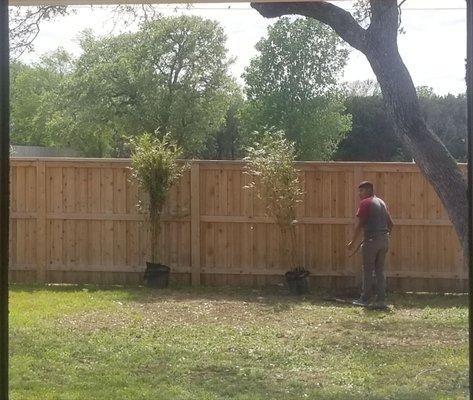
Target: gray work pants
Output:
[{"x": 374, "y": 253}]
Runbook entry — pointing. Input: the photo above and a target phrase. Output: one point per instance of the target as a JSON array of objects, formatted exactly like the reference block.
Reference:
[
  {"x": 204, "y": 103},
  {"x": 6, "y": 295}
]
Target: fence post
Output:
[
  {"x": 41, "y": 221},
  {"x": 195, "y": 223},
  {"x": 357, "y": 178}
]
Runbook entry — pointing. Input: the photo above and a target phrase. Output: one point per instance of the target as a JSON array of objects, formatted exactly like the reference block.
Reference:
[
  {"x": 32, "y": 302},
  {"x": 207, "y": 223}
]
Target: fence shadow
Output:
[{"x": 277, "y": 298}]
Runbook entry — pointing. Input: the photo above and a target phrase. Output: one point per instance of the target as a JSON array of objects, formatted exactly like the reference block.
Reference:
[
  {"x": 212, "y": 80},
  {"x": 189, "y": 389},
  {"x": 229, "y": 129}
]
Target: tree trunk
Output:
[
  {"x": 379, "y": 44},
  {"x": 429, "y": 153},
  {"x": 296, "y": 262},
  {"x": 288, "y": 236},
  {"x": 155, "y": 230}
]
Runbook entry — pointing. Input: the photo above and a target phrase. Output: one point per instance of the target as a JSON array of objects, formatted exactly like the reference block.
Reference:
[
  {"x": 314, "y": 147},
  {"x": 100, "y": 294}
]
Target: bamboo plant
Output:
[
  {"x": 274, "y": 178},
  {"x": 155, "y": 167}
]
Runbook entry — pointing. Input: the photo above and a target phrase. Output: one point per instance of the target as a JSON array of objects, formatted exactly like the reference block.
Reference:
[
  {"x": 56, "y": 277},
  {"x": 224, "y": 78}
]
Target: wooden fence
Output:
[{"x": 76, "y": 220}]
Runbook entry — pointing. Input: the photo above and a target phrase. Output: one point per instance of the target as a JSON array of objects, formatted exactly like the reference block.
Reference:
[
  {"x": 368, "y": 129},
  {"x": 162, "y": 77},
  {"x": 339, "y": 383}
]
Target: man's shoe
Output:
[{"x": 359, "y": 302}]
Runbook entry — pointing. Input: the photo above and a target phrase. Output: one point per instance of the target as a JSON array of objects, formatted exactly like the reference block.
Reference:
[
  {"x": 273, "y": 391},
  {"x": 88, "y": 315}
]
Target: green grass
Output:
[{"x": 82, "y": 342}]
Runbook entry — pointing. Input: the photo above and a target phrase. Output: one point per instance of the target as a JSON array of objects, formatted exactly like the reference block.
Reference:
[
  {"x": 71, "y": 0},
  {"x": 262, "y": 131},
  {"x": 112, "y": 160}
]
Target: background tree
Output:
[
  {"x": 447, "y": 117},
  {"x": 292, "y": 85},
  {"x": 230, "y": 140},
  {"x": 171, "y": 75},
  {"x": 371, "y": 137},
  {"x": 102, "y": 99},
  {"x": 378, "y": 42},
  {"x": 186, "y": 60},
  {"x": 35, "y": 94}
]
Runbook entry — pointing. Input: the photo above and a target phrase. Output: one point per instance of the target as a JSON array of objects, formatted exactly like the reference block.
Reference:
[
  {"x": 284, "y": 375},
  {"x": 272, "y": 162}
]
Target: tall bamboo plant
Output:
[
  {"x": 273, "y": 176},
  {"x": 155, "y": 167}
]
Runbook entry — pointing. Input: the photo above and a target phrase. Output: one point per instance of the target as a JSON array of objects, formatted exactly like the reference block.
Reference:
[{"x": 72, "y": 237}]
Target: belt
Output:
[{"x": 376, "y": 234}]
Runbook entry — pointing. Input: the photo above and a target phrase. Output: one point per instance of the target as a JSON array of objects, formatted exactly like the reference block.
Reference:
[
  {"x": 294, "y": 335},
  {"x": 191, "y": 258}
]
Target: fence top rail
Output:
[
  {"x": 71, "y": 159},
  {"x": 127, "y": 161}
]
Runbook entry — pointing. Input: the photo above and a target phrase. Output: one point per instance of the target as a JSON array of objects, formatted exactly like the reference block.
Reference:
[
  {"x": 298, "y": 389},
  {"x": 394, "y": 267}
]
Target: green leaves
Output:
[
  {"x": 292, "y": 85},
  {"x": 372, "y": 137},
  {"x": 270, "y": 166},
  {"x": 301, "y": 58},
  {"x": 172, "y": 74},
  {"x": 273, "y": 175},
  {"x": 35, "y": 92},
  {"x": 154, "y": 164},
  {"x": 155, "y": 167}
]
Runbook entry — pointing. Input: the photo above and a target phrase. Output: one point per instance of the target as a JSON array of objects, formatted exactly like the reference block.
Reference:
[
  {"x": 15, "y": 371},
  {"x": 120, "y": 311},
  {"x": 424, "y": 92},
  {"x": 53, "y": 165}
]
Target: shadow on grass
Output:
[{"x": 276, "y": 297}]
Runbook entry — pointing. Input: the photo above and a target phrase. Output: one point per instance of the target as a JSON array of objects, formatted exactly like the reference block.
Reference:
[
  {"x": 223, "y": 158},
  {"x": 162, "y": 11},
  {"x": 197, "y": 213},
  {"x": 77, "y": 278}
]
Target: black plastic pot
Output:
[
  {"x": 298, "y": 282},
  {"x": 157, "y": 275}
]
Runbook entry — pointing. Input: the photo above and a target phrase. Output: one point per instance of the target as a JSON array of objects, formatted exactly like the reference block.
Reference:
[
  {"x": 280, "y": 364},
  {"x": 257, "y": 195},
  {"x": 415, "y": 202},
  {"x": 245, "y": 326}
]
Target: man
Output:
[{"x": 376, "y": 223}]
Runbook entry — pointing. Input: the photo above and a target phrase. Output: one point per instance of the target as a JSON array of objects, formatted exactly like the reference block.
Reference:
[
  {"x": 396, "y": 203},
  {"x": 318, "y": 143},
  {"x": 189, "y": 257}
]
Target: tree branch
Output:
[
  {"x": 25, "y": 25},
  {"x": 337, "y": 18}
]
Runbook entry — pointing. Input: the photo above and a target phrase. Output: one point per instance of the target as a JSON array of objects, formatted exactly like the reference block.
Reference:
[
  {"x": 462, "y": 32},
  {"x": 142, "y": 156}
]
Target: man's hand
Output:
[{"x": 356, "y": 234}]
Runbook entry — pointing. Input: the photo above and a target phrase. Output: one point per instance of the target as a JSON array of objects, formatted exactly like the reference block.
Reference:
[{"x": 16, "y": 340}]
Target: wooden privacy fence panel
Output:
[{"x": 77, "y": 220}]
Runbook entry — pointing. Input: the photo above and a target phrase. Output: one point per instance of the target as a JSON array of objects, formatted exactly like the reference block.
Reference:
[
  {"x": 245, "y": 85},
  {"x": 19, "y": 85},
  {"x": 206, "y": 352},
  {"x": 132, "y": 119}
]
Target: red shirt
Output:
[
  {"x": 364, "y": 208},
  {"x": 373, "y": 216}
]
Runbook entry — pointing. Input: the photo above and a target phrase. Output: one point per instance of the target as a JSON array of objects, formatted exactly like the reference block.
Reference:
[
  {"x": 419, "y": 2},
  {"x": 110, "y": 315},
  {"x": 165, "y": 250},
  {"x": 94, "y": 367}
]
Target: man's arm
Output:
[
  {"x": 362, "y": 214},
  {"x": 356, "y": 233}
]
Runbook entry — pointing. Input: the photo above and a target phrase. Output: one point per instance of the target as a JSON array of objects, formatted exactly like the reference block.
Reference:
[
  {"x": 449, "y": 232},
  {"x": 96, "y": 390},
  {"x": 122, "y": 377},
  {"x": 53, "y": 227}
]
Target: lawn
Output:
[{"x": 85, "y": 342}]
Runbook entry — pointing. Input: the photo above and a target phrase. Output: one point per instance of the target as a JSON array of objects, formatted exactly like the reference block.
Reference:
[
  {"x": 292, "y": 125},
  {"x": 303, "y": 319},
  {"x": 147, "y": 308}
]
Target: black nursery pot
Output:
[
  {"x": 298, "y": 282},
  {"x": 157, "y": 275}
]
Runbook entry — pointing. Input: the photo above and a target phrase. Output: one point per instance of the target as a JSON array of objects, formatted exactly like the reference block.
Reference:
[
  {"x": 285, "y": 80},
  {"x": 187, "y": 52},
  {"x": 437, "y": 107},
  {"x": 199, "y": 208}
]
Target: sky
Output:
[{"x": 433, "y": 47}]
